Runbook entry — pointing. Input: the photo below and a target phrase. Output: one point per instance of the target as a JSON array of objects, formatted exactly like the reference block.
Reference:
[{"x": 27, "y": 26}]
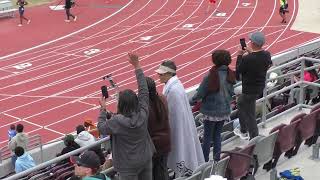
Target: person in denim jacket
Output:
[{"x": 215, "y": 92}]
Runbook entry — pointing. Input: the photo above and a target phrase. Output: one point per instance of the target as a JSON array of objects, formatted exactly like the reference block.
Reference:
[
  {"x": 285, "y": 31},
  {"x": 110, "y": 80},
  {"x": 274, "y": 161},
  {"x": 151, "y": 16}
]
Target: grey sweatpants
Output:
[
  {"x": 247, "y": 114},
  {"x": 145, "y": 173}
]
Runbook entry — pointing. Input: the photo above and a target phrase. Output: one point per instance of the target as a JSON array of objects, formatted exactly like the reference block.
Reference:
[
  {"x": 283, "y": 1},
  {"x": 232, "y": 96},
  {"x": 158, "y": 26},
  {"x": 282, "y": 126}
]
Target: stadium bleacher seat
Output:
[
  {"x": 264, "y": 147},
  {"x": 306, "y": 129},
  {"x": 240, "y": 162},
  {"x": 285, "y": 141}
]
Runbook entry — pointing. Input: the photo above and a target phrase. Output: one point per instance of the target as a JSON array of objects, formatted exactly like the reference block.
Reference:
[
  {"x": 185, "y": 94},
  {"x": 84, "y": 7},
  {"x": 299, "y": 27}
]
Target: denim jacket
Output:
[{"x": 215, "y": 104}]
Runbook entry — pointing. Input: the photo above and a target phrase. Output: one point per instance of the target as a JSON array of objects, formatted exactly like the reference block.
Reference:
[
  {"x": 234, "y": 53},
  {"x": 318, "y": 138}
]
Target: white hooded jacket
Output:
[{"x": 84, "y": 139}]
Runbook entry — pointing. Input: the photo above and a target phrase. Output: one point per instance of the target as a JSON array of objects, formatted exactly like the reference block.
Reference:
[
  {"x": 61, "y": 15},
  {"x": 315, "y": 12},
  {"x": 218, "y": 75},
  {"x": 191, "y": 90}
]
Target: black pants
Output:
[
  {"x": 160, "y": 169},
  {"x": 69, "y": 14},
  {"x": 247, "y": 114}
]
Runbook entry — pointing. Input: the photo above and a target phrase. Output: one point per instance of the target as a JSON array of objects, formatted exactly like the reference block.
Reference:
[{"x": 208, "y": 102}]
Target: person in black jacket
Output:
[
  {"x": 252, "y": 65},
  {"x": 68, "y": 141},
  {"x": 68, "y": 5}
]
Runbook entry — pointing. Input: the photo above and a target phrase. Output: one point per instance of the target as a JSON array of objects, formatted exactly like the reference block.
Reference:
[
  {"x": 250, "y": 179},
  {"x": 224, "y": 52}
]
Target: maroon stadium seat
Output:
[
  {"x": 306, "y": 129},
  {"x": 285, "y": 141},
  {"x": 239, "y": 163}
]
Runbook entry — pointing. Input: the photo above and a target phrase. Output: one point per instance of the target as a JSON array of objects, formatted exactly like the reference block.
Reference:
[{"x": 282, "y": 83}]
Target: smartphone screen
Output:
[
  {"x": 243, "y": 43},
  {"x": 104, "y": 91}
]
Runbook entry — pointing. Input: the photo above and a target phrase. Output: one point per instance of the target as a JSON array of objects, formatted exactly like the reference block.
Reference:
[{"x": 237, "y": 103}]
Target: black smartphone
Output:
[
  {"x": 104, "y": 91},
  {"x": 243, "y": 43}
]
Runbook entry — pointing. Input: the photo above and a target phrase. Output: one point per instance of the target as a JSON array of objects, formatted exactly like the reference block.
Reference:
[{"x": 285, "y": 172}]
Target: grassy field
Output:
[{"x": 34, "y": 2}]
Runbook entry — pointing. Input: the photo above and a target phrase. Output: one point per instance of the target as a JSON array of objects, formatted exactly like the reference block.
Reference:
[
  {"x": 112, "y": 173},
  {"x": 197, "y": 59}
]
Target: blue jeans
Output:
[
  {"x": 212, "y": 128},
  {"x": 13, "y": 160}
]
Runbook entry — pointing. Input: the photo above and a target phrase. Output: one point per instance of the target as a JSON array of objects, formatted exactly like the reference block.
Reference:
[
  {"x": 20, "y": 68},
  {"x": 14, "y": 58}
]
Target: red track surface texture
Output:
[{"x": 60, "y": 85}]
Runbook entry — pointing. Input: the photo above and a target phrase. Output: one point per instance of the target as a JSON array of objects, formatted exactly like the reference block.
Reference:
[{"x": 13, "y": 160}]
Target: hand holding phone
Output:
[
  {"x": 104, "y": 91},
  {"x": 243, "y": 43}
]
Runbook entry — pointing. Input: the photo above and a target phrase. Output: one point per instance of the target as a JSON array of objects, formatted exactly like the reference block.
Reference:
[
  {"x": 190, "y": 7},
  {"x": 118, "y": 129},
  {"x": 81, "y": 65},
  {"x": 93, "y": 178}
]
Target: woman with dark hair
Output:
[
  {"x": 132, "y": 147},
  {"x": 159, "y": 130},
  {"x": 215, "y": 92}
]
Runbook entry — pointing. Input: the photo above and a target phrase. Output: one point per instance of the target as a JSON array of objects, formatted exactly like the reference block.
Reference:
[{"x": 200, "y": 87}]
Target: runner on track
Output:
[
  {"x": 68, "y": 5},
  {"x": 211, "y": 3},
  {"x": 21, "y": 4},
  {"x": 283, "y": 10}
]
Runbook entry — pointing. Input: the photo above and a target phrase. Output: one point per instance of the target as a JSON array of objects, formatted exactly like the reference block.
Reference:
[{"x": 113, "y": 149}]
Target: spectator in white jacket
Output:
[{"x": 84, "y": 138}]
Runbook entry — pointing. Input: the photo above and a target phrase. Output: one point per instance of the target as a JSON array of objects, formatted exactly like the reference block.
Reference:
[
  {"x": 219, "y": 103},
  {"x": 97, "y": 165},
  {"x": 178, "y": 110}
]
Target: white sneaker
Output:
[
  {"x": 29, "y": 21},
  {"x": 75, "y": 18},
  {"x": 19, "y": 24},
  {"x": 67, "y": 20},
  {"x": 243, "y": 136}
]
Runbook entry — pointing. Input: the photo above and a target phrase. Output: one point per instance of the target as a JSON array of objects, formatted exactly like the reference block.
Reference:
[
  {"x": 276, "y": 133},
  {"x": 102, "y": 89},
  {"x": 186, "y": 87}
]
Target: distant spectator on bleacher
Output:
[
  {"x": 186, "y": 152},
  {"x": 84, "y": 138},
  {"x": 132, "y": 147},
  {"x": 310, "y": 76},
  {"x": 87, "y": 167},
  {"x": 215, "y": 92},
  {"x": 24, "y": 160},
  {"x": 12, "y": 132},
  {"x": 252, "y": 65},
  {"x": 91, "y": 128},
  {"x": 159, "y": 130},
  {"x": 21, "y": 139}
]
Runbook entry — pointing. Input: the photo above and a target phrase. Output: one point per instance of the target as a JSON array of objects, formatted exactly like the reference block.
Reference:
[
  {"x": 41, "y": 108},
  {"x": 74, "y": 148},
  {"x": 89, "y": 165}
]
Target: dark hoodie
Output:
[{"x": 132, "y": 146}]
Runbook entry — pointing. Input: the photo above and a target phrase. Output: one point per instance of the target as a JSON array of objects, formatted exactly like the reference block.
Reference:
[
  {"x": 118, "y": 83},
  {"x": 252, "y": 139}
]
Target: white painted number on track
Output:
[
  {"x": 146, "y": 38},
  {"x": 22, "y": 66},
  {"x": 187, "y": 26},
  {"x": 91, "y": 51},
  {"x": 246, "y": 4},
  {"x": 221, "y": 14}
]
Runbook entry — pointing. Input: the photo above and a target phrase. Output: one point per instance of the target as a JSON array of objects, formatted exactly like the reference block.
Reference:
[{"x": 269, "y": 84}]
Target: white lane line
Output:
[
  {"x": 53, "y": 97},
  {"x": 289, "y": 37},
  {"x": 71, "y": 34},
  {"x": 40, "y": 51},
  {"x": 122, "y": 32},
  {"x": 140, "y": 22},
  {"x": 35, "y": 124},
  {"x": 68, "y": 90},
  {"x": 54, "y": 131},
  {"x": 19, "y": 119},
  {"x": 94, "y": 105},
  {"x": 41, "y": 58}
]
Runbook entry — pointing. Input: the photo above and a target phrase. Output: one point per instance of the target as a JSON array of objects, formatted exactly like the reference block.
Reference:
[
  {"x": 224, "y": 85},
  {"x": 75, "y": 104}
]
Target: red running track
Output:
[{"x": 60, "y": 85}]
